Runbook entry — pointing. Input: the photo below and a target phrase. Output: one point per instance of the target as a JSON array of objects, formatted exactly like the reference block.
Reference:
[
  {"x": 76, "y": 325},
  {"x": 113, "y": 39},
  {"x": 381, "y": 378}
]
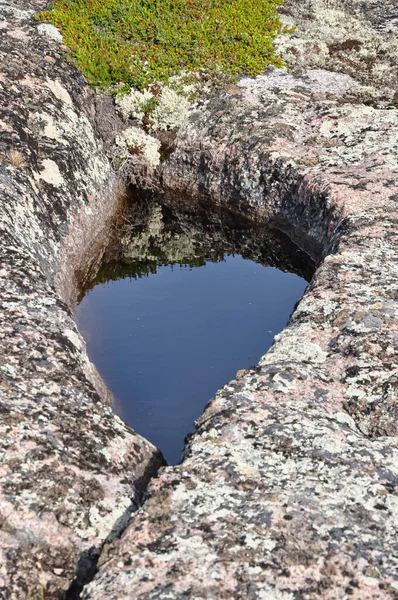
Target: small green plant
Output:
[{"x": 139, "y": 42}]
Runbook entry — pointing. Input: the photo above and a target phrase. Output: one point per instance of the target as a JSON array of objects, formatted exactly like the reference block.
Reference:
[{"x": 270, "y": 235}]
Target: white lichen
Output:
[
  {"x": 171, "y": 111},
  {"x": 133, "y": 105},
  {"x": 135, "y": 142},
  {"x": 270, "y": 593},
  {"x": 50, "y": 31},
  {"x": 187, "y": 84},
  {"x": 59, "y": 91},
  {"x": 163, "y": 106},
  {"x": 50, "y": 173}
]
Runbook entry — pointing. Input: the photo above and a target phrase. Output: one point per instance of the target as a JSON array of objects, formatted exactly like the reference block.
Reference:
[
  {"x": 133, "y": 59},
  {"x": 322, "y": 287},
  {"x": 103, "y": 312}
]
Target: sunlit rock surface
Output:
[
  {"x": 288, "y": 488},
  {"x": 70, "y": 470}
]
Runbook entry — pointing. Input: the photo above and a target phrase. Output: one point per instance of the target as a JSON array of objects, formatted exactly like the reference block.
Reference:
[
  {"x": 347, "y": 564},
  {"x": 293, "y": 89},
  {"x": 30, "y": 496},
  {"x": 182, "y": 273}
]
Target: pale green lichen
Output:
[
  {"x": 133, "y": 105},
  {"x": 159, "y": 107},
  {"x": 135, "y": 142},
  {"x": 171, "y": 111}
]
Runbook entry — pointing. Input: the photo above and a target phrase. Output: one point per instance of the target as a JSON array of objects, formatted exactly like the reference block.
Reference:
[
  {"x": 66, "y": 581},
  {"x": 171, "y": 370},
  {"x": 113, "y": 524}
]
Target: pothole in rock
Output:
[{"x": 186, "y": 296}]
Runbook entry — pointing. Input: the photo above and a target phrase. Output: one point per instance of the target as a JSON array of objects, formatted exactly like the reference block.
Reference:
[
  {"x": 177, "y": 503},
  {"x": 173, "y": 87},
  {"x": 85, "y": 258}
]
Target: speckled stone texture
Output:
[
  {"x": 288, "y": 488},
  {"x": 70, "y": 471}
]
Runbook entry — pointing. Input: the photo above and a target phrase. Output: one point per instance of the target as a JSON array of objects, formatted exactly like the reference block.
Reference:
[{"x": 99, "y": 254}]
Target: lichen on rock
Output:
[
  {"x": 288, "y": 487},
  {"x": 133, "y": 104},
  {"x": 135, "y": 142},
  {"x": 71, "y": 471}
]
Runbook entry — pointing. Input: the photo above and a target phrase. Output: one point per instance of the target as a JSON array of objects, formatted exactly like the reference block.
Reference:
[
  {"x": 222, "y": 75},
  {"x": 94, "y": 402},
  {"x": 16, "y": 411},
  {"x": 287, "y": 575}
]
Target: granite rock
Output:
[
  {"x": 288, "y": 488},
  {"x": 71, "y": 471}
]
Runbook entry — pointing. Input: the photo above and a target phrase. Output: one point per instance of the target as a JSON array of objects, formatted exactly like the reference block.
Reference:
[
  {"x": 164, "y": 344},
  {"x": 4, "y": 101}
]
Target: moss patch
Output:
[{"x": 138, "y": 42}]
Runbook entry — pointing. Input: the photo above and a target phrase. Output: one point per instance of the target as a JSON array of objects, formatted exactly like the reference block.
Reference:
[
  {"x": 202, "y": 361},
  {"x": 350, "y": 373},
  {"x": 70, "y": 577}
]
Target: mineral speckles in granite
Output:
[
  {"x": 288, "y": 487},
  {"x": 280, "y": 486},
  {"x": 70, "y": 471},
  {"x": 355, "y": 37}
]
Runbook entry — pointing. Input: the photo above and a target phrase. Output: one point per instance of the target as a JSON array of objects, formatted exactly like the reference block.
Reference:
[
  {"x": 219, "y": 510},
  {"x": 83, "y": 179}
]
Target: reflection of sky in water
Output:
[{"x": 165, "y": 343}]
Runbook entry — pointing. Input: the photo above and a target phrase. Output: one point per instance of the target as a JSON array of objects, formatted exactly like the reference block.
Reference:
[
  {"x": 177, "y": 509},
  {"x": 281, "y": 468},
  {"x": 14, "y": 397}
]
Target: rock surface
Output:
[
  {"x": 70, "y": 471},
  {"x": 288, "y": 488}
]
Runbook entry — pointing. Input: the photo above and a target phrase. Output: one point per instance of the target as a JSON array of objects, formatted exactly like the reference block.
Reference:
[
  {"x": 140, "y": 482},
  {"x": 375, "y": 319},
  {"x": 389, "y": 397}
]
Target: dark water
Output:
[{"x": 166, "y": 339}]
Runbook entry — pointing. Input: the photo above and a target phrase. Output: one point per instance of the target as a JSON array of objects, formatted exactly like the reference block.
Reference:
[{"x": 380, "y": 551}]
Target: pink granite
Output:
[{"x": 288, "y": 488}]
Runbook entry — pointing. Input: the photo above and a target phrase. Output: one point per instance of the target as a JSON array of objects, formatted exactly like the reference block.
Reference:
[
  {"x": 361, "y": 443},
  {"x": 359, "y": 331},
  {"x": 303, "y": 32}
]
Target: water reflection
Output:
[{"x": 166, "y": 333}]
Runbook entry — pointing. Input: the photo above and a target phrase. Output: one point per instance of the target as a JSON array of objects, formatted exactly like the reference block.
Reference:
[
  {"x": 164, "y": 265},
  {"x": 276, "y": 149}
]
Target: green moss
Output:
[{"x": 138, "y": 42}]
